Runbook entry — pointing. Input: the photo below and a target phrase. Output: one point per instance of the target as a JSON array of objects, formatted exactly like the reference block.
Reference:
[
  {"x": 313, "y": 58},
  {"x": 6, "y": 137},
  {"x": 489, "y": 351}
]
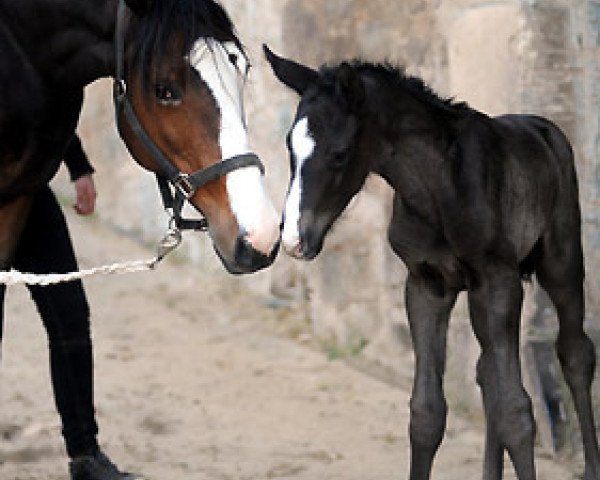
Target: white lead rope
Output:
[
  {"x": 14, "y": 277},
  {"x": 170, "y": 242}
]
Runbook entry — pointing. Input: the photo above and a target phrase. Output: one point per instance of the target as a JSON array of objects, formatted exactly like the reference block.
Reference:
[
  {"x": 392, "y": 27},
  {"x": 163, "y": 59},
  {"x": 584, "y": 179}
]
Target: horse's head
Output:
[
  {"x": 323, "y": 144},
  {"x": 185, "y": 70}
]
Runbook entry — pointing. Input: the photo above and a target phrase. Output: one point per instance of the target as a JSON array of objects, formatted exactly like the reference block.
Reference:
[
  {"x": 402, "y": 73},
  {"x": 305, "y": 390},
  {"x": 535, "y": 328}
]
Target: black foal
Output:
[{"x": 480, "y": 202}]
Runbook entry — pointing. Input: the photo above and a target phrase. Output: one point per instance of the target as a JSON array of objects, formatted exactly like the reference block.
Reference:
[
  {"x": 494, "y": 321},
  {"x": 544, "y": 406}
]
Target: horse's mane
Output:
[
  {"x": 188, "y": 20},
  {"x": 396, "y": 77}
]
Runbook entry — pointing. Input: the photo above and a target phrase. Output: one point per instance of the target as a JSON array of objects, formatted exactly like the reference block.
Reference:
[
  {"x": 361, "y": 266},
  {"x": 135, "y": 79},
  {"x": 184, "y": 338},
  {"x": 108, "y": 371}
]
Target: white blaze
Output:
[
  {"x": 248, "y": 199},
  {"x": 225, "y": 81},
  {"x": 303, "y": 146}
]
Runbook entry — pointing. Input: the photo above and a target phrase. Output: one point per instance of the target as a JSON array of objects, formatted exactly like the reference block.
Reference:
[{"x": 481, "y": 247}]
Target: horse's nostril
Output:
[{"x": 250, "y": 259}]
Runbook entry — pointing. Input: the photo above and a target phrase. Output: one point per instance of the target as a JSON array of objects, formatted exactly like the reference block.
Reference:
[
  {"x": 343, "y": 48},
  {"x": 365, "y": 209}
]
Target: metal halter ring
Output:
[
  {"x": 119, "y": 89},
  {"x": 184, "y": 186}
]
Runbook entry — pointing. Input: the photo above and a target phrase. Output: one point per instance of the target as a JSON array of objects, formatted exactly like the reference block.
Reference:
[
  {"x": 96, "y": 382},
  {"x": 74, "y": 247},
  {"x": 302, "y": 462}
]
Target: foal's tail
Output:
[
  {"x": 559, "y": 143},
  {"x": 560, "y": 146},
  {"x": 563, "y": 232}
]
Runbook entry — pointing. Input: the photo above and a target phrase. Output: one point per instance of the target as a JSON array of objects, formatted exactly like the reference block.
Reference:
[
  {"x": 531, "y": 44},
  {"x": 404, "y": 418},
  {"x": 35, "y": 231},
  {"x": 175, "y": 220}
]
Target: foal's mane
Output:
[
  {"x": 395, "y": 77},
  {"x": 184, "y": 20}
]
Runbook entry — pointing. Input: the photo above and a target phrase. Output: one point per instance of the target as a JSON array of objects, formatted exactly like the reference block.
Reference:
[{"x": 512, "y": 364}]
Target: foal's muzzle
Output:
[
  {"x": 307, "y": 247},
  {"x": 310, "y": 236}
]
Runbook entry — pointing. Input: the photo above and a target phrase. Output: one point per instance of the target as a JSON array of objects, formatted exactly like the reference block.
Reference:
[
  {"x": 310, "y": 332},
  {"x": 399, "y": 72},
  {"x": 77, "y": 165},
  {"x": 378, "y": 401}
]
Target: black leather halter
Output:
[{"x": 185, "y": 185}]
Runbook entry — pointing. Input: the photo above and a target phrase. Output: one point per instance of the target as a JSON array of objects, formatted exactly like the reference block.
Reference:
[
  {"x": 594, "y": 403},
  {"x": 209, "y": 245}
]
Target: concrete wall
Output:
[{"x": 539, "y": 56}]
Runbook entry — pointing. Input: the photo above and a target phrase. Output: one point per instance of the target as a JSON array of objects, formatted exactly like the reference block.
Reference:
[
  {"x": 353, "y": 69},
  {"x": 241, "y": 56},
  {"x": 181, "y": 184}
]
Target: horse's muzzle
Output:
[{"x": 248, "y": 259}]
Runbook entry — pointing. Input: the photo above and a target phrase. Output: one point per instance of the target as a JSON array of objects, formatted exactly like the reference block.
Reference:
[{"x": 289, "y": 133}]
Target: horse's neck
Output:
[{"x": 69, "y": 42}]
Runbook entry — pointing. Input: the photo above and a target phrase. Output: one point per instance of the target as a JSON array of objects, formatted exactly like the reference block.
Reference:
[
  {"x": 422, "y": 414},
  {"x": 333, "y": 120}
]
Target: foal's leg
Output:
[
  {"x": 560, "y": 273},
  {"x": 428, "y": 312},
  {"x": 495, "y": 306}
]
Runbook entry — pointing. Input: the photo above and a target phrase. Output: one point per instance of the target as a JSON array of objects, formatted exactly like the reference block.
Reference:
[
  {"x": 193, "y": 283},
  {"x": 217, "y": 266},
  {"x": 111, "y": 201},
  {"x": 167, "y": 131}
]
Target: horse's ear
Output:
[
  {"x": 350, "y": 85},
  {"x": 139, "y": 7},
  {"x": 297, "y": 77}
]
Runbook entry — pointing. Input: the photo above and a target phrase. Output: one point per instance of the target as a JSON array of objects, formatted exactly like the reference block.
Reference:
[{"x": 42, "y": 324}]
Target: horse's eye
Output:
[
  {"x": 233, "y": 58},
  {"x": 167, "y": 95}
]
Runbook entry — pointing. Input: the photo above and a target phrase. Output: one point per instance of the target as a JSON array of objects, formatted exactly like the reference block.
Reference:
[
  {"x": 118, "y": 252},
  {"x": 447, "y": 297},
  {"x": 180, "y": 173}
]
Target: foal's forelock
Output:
[{"x": 223, "y": 68}]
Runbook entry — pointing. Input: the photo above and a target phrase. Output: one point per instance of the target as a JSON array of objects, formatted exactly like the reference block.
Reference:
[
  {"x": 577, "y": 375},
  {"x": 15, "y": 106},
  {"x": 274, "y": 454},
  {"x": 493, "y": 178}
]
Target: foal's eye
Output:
[
  {"x": 338, "y": 161},
  {"x": 167, "y": 95}
]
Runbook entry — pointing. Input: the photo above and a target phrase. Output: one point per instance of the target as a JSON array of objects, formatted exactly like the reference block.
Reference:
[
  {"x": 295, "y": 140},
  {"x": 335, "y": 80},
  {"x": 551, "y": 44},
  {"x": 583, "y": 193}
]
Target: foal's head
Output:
[
  {"x": 325, "y": 151},
  {"x": 186, "y": 71}
]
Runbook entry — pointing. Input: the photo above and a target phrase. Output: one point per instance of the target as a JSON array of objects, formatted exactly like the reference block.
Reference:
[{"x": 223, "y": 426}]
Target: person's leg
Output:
[{"x": 45, "y": 247}]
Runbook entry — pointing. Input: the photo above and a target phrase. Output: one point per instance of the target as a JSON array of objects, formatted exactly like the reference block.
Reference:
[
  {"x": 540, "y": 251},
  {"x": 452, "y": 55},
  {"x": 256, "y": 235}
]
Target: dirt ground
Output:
[{"x": 194, "y": 381}]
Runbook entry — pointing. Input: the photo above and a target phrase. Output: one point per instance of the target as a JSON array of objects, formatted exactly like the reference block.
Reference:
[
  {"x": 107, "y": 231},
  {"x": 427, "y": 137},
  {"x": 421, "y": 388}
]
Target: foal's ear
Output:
[
  {"x": 350, "y": 86},
  {"x": 139, "y": 7},
  {"x": 297, "y": 77}
]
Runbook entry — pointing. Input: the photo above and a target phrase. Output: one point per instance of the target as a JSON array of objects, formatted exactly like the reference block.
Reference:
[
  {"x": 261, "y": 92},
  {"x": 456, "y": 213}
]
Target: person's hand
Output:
[{"x": 86, "y": 195}]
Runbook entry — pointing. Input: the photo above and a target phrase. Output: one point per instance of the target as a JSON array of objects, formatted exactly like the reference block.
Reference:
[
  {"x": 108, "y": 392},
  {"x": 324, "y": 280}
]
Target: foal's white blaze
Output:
[
  {"x": 248, "y": 199},
  {"x": 303, "y": 146}
]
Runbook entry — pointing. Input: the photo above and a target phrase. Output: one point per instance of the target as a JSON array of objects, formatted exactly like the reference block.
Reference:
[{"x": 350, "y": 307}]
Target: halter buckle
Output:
[{"x": 184, "y": 186}]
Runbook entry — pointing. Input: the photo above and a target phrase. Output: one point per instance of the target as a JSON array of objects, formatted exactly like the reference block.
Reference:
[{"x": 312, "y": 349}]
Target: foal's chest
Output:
[{"x": 422, "y": 247}]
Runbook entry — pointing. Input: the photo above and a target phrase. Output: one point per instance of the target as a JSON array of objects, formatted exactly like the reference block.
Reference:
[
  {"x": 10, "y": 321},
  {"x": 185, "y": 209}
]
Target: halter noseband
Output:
[{"x": 185, "y": 185}]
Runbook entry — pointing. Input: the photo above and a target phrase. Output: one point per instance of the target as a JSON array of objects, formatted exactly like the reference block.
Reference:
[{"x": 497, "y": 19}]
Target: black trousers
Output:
[{"x": 45, "y": 247}]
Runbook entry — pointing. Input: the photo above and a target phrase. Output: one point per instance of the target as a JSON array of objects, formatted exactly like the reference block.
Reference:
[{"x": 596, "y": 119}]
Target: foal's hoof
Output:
[{"x": 97, "y": 467}]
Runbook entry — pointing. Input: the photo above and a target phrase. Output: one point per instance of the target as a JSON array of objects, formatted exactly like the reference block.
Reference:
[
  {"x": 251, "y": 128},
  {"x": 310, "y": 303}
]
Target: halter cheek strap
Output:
[
  {"x": 187, "y": 185},
  {"x": 169, "y": 177}
]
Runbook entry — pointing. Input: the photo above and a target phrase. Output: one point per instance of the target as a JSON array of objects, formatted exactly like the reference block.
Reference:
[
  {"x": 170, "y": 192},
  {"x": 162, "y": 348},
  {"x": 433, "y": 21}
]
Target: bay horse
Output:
[
  {"x": 179, "y": 72},
  {"x": 479, "y": 204}
]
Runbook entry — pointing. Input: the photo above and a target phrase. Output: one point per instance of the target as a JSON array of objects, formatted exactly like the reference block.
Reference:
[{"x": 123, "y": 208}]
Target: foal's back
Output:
[{"x": 523, "y": 167}]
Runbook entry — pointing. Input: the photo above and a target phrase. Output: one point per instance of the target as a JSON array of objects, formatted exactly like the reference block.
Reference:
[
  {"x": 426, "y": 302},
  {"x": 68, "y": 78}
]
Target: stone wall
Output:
[{"x": 538, "y": 56}]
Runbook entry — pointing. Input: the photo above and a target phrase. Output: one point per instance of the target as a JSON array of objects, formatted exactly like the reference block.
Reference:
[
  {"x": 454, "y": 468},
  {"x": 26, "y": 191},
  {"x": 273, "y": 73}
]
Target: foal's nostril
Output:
[
  {"x": 310, "y": 244},
  {"x": 294, "y": 249},
  {"x": 250, "y": 259}
]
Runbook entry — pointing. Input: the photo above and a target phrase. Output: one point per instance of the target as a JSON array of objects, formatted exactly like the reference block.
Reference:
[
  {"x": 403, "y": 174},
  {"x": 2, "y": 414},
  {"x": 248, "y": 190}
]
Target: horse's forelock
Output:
[{"x": 183, "y": 20}]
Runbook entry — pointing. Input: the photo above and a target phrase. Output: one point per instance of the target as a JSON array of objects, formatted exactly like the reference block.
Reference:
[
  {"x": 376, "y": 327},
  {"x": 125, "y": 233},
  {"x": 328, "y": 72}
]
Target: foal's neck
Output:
[{"x": 410, "y": 131}]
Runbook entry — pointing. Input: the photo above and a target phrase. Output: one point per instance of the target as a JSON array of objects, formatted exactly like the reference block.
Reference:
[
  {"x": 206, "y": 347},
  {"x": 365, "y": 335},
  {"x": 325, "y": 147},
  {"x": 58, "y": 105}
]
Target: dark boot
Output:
[{"x": 97, "y": 467}]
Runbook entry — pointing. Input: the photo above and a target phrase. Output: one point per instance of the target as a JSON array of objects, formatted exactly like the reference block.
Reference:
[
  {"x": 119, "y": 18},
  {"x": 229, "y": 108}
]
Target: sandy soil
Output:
[{"x": 195, "y": 381}]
